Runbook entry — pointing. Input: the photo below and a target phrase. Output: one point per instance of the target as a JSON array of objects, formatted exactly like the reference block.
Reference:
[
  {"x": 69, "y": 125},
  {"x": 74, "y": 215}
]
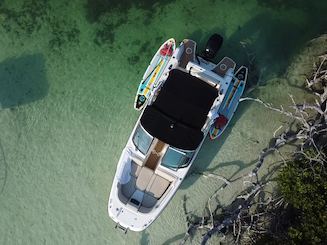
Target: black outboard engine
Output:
[{"x": 213, "y": 45}]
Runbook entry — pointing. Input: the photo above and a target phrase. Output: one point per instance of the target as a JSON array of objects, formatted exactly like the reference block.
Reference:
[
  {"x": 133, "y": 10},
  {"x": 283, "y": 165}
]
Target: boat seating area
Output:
[
  {"x": 223, "y": 66},
  {"x": 188, "y": 54},
  {"x": 144, "y": 188}
]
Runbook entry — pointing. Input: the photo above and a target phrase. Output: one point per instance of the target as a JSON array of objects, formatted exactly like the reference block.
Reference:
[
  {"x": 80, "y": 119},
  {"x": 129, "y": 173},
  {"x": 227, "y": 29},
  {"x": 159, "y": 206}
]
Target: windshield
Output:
[
  {"x": 174, "y": 158},
  {"x": 142, "y": 140}
]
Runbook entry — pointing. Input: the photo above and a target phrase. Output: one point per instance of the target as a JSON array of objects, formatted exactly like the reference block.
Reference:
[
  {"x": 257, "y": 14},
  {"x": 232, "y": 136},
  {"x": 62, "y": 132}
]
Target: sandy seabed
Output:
[{"x": 68, "y": 76}]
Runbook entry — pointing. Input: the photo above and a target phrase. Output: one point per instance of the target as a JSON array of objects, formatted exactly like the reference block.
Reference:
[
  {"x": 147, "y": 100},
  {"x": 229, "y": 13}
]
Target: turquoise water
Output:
[{"x": 69, "y": 71}]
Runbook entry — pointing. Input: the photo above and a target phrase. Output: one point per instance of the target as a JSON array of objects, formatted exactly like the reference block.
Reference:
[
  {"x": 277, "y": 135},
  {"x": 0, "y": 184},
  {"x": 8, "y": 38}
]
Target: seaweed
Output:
[
  {"x": 63, "y": 33},
  {"x": 27, "y": 20},
  {"x": 281, "y": 4},
  {"x": 133, "y": 59},
  {"x": 105, "y": 34},
  {"x": 101, "y": 14},
  {"x": 31, "y": 16},
  {"x": 97, "y": 8}
]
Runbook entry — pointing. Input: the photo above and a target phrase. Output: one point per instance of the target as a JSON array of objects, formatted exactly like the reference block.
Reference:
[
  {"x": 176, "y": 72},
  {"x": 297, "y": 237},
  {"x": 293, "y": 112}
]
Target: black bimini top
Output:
[{"x": 180, "y": 110}]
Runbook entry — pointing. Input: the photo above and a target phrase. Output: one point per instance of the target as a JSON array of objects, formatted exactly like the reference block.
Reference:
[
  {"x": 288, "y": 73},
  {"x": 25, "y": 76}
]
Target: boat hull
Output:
[{"x": 144, "y": 182}]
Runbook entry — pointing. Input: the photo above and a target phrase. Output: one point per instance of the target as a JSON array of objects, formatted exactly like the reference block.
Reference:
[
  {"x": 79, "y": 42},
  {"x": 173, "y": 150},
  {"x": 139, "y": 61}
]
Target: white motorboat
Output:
[{"x": 187, "y": 97}]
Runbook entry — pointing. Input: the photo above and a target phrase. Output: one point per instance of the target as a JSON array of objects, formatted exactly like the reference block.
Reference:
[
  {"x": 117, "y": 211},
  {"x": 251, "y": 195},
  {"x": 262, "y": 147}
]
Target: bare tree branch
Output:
[{"x": 255, "y": 207}]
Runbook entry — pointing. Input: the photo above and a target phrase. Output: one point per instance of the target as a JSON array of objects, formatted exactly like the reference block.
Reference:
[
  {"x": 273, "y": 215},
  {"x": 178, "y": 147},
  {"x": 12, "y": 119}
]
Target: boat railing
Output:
[
  {"x": 124, "y": 229},
  {"x": 206, "y": 75}
]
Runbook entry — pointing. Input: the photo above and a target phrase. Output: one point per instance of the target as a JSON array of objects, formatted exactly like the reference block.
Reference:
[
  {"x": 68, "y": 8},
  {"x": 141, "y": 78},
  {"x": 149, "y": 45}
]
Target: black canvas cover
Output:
[{"x": 180, "y": 110}]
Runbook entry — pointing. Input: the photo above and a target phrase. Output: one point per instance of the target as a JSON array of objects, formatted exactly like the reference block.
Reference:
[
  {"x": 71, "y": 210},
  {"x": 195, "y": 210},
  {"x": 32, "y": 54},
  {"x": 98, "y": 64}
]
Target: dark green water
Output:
[{"x": 69, "y": 71}]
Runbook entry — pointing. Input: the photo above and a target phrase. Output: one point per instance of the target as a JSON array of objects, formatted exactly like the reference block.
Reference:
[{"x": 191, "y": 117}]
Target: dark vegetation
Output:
[
  {"x": 100, "y": 13},
  {"x": 27, "y": 20},
  {"x": 103, "y": 15},
  {"x": 34, "y": 15},
  {"x": 97, "y": 8},
  {"x": 63, "y": 32},
  {"x": 304, "y": 187}
]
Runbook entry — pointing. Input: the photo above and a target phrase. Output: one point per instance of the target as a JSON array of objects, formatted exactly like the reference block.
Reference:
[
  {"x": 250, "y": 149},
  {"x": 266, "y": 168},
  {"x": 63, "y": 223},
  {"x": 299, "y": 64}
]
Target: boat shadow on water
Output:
[
  {"x": 22, "y": 80},
  {"x": 210, "y": 149},
  {"x": 266, "y": 43},
  {"x": 268, "y": 54}
]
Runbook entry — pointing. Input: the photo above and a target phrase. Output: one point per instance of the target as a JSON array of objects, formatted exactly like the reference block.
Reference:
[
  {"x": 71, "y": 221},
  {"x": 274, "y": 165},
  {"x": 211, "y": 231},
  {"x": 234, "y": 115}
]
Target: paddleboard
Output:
[
  {"x": 154, "y": 72},
  {"x": 229, "y": 103}
]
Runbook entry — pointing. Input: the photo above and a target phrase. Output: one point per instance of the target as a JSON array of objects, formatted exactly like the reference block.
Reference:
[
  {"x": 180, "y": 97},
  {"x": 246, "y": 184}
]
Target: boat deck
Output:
[
  {"x": 188, "y": 54},
  {"x": 223, "y": 66},
  {"x": 147, "y": 183}
]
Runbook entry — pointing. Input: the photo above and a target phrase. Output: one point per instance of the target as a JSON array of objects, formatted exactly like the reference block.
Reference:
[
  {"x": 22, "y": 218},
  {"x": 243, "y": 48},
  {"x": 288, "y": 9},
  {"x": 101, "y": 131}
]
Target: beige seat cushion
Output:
[
  {"x": 164, "y": 175},
  {"x": 144, "y": 178},
  {"x": 158, "y": 187}
]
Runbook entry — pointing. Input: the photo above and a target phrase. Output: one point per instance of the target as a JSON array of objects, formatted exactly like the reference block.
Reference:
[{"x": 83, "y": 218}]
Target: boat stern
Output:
[{"x": 126, "y": 216}]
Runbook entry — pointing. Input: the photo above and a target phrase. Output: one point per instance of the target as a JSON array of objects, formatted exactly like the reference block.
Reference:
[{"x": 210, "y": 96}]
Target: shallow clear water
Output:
[{"x": 69, "y": 71}]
